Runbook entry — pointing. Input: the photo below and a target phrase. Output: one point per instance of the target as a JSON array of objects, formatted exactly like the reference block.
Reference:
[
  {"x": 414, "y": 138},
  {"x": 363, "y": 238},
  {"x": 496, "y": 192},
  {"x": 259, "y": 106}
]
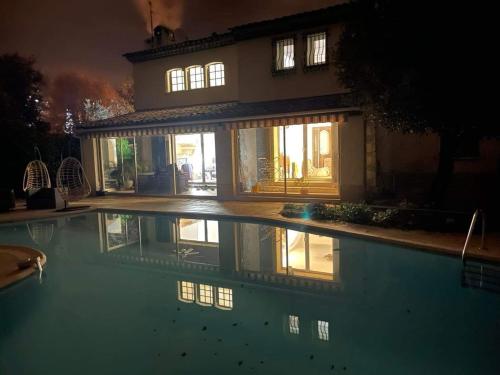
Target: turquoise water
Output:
[{"x": 144, "y": 294}]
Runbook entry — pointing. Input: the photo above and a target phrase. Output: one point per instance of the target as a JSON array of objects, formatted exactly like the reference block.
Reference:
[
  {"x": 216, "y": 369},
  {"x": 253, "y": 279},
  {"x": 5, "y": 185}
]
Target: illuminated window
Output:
[
  {"x": 225, "y": 298},
  {"x": 196, "y": 77},
  {"x": 293, "y": 324},
  {"x": 185, "y": 291},
  {"x": 216, "y": 74},
  {"x": 323, "y": 332},
  {"x": 285, "y": 54},
  {"x": 206, "y": 294},
  {"x": 316, "y": 49},
  {"x": 175, "y": 80}
]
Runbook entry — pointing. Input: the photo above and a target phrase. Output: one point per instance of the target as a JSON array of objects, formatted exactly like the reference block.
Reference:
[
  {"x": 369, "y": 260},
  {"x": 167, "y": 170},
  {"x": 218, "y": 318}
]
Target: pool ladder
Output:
[{"x": 471, "y": 230}]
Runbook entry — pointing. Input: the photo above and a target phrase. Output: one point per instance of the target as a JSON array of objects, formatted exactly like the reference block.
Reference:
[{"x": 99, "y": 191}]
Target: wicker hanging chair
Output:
[
  {"x": 71, "y": 181},
  {"x": 36, "y": 175}
]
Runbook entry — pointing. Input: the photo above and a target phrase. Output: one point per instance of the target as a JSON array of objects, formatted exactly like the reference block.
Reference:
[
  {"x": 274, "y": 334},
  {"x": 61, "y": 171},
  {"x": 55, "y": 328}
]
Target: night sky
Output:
[{"x": 89, "y": 36}]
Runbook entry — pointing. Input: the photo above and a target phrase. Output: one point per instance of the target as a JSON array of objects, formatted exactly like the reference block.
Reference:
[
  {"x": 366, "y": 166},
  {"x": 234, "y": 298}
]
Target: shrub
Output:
[
  {"x": 293, "y": 210},
  {"x": 357, "y": 213},
  {"x": 385, "y": 217},
  {"x": 318, "y": 211}
]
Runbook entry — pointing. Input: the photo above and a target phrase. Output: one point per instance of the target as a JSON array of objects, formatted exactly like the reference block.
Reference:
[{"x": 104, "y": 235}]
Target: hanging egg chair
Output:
[
  {"x": 36, "y": 175},
  {"x": 71, "y": 181},
  {"x": 41, "y": 233}
]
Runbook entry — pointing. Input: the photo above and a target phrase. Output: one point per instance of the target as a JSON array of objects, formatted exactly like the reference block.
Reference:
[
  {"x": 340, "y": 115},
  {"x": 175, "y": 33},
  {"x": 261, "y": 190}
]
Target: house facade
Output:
[{"x": 254, "y": 113}]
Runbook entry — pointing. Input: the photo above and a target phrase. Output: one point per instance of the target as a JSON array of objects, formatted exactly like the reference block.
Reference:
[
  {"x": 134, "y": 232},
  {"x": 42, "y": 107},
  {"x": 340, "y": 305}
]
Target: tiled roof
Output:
[
  {"x": 224, "y": 112},
  {"x": 213, "y": 41},
  {"x": 315, "y": 18}
]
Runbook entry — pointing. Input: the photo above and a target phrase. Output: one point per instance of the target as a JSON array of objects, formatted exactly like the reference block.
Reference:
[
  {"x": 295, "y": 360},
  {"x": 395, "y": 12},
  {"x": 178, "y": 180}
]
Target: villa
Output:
[
  {"x": 100, "y": 268},
  {"x": 256, "y": 112}
]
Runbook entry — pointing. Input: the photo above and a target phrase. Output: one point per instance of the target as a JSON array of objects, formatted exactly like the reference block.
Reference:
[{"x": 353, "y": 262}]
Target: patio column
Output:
[
  {"x": 224, "y": 163},
  {"x": 352, "y": 159},
  {"x": 89, "y": 148}
]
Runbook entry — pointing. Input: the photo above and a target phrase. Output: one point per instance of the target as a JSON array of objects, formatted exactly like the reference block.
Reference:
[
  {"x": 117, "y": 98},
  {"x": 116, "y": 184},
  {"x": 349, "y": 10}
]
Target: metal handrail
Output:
[{"x": 471, "y": 229}]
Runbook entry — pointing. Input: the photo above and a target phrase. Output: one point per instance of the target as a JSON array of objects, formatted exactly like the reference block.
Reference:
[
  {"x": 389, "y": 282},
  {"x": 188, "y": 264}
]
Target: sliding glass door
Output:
[
  {"x": 182, "y": 164},
  {"x": 118, "y": 164},
  {"x": 195, "y": 159},
  {"x": 296, "y": 159}
]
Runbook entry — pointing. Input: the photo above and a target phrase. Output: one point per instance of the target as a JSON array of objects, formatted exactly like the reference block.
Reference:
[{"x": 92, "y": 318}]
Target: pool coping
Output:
[
  {"x": 21, "y": 274},
  {"x": 443, "y": 243}
]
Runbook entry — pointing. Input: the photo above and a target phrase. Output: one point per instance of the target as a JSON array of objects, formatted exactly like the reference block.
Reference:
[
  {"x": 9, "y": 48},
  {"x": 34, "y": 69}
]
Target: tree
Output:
[
  {"x": 69, "y": 124},
  {"x": 21, "y": 107},
  {"x": 405, "y": 61},
  {"x": 79, "y": 93}
]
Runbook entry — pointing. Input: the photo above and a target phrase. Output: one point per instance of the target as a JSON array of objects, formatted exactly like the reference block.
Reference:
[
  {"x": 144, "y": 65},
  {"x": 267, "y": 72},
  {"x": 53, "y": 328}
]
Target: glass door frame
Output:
[
  {"x": 171, "y": 156},
  {"x": 334, "y": 180}
]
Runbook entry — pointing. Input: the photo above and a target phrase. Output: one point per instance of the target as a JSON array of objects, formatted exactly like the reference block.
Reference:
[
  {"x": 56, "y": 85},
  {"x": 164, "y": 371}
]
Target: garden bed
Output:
[{"x": 388, "y": 217}]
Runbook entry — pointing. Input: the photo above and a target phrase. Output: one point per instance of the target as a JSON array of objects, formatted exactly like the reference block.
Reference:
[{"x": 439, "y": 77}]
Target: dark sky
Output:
[{"x": 89, "y": 36}]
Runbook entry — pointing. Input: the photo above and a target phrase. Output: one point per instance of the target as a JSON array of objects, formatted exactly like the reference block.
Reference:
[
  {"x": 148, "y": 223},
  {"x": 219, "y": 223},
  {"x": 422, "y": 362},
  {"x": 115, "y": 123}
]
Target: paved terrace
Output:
[{"x": 447, "y": 243}]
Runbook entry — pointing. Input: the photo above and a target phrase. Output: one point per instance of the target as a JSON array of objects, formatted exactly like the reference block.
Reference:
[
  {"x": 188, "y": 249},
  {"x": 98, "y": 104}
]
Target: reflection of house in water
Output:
[
  {"x": 255, "y": 253},
  {"x": 211, "y": 262}
]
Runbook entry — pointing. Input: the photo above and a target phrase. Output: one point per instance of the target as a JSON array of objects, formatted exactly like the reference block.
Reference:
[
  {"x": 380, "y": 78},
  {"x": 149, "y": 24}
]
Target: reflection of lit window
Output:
[
  {"x": 323, "y": 333},
  {"x": 185, "y": 291},
  {"x": 308, "y": 255},
  {"x": 121, "y": 230},
  {"x": 212, "y": 231},
  {"x": 293, "y": 324},
  {"x": 192, "y": 230},
  {"x": 225, "y": 298},
  {"x": 316, "y": 49},
  {"x": 199, "y": 230},
  {"x": 206, "y": 295}
]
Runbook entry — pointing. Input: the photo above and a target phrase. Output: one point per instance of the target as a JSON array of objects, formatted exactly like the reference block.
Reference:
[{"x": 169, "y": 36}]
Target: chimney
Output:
[{"x": 162, "y": 35}]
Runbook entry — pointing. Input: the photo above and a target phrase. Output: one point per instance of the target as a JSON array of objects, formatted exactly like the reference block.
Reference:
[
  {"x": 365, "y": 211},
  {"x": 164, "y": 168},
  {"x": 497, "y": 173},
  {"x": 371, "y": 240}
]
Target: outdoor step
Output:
[{"x": 480, "y": 275}]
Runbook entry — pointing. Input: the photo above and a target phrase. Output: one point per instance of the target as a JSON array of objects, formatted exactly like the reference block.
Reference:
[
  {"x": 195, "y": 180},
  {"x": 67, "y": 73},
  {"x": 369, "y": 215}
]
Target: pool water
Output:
[{"x": 151, "y": 294}]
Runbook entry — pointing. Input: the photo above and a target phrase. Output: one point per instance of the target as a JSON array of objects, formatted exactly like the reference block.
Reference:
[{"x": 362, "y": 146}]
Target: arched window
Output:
[
  {"x": 175, "y": 80},
  {"x": 215, "y": 73},
  {"x": 196, "y": 77}
]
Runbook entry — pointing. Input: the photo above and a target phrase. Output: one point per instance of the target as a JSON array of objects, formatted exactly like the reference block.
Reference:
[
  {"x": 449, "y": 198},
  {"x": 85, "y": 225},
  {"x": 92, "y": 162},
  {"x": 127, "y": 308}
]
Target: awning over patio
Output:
[{"x": 231, "y": 115}]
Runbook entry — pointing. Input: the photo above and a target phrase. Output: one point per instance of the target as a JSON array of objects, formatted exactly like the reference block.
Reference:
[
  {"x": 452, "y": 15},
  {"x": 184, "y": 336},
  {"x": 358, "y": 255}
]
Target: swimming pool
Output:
[{"x": 147, "y": 294}]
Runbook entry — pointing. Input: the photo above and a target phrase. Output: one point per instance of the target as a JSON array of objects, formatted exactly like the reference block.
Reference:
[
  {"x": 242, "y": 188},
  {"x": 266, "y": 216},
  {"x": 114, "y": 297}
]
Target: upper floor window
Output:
[
  {"x": 175, "y": 80},
  {"x": 196, "y": 77},
  {"x": 216, "y": 74},
  {"x": 316, "y": 49},
  {"x": 285, "y": 54}
]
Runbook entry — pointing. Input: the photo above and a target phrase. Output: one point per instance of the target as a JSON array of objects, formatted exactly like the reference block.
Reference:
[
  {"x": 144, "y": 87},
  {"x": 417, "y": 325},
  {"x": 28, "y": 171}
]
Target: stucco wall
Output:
[
  {"x": 352, "y": 159},
  {"x": 416, "y": 153},
  {"x": 248, "y": 73},
  {"x": 257, "y": 82},
  {"x": 89, "y": 158},
  {"x": 224, "y": 159},
  {"x": 150, "y": 87}
]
